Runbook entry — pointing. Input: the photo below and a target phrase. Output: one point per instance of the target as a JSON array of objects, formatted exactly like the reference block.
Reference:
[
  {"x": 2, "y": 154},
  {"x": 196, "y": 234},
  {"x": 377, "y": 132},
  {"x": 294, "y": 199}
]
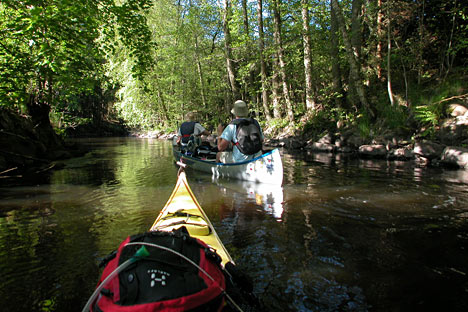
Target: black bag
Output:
[
  {"x": 163, "y": 281},
  {"x": 248, "y": 134},
  {"x": 186, "y": 130}
]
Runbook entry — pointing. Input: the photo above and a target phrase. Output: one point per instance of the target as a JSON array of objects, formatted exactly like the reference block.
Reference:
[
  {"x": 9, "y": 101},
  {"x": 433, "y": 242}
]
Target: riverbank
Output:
[
  {"x": 29, "y": 149},
  {"x": 446, "y": 147},
  {"x": 25, "y": 150}
]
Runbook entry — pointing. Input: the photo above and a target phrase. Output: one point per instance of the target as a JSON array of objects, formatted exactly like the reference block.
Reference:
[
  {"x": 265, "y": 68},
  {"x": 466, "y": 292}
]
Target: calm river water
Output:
[{"x": 339, "y": 235}]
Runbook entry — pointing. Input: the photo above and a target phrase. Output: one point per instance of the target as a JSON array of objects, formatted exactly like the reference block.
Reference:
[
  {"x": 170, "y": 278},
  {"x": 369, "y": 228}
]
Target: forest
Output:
[{"x": 382, "y": 66}]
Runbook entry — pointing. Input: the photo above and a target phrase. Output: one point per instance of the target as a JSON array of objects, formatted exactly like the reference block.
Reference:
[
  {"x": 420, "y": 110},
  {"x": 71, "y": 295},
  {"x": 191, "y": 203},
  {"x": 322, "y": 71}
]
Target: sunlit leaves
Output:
[
  {"x": 49, "y": 44},
  {"x": 183, "y": 34},
  {"x": 52, "y": 50}
]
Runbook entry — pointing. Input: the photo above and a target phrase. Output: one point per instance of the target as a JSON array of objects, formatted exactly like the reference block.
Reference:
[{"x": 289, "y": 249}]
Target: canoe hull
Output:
[
  {"x": 183, "y": 209},
  {"x": 267, "y": 168}
]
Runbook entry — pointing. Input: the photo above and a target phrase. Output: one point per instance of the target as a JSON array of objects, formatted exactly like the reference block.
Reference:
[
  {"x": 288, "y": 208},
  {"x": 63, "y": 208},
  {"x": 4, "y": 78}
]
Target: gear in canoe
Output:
[{"x": 180, "y": 264}]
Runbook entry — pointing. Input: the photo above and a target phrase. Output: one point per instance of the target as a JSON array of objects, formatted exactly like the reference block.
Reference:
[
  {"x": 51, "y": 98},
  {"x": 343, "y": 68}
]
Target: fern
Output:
[{"x": 427, "y": 115}]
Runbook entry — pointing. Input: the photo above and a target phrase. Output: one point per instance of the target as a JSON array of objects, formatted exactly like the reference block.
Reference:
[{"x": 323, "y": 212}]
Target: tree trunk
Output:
[
  {"x": 245, "y": 16},
  {"x": 355, "y": 66},
  {"x": 356, "y": 33},
  {"x": 334, "y": 53},
  {"x": 310, "y": 102},
  {"x": 161, "y": 98},
  {"x": 275, "y": 90},
  {"x": 379, "y": 39},
  {"x": 249, "y": 80},
  {"x": 263, "y": 73},
  {"x": 231, "y": 71},
  {"x": 200, "y": 75},
  {"x": 282, "y": 67},
  {"x": 39, "y": 110},
  {"x": 450, "y": 57},
  {"x": 96, "y": 105},
  {"x": 421, "y": 41},
  {"x": 163, "y": 105},
  {"x": 389, "y": 53}
]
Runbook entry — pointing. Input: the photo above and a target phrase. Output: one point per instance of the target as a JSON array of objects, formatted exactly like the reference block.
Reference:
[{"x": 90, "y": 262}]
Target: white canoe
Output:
[{"x": 267, "y": 168}]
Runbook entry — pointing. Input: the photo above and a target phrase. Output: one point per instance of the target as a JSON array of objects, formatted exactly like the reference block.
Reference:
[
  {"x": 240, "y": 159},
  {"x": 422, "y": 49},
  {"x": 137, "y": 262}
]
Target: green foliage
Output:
[
  {"x": 364, "y": 125},
  {"x": 430, "y": 106},
  {"x": 278, "y": 123},
  {"x": 320, "y": 121},
  {"x": 48, "y": 305},
  {"x": 340, "y": 114},
  {"x": 49, "y": 49},
  {"x": 427, "y": 115},
  {"x": 163, "y": 58},
  {"x": 52, "y": 52},
  {"x": 394, "y": 117},
  {"x": 185, "y": 76}
]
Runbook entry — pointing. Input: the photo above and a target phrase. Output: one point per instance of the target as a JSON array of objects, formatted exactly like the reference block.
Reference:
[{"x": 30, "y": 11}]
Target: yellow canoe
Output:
[{"x": 183, "y": 209}]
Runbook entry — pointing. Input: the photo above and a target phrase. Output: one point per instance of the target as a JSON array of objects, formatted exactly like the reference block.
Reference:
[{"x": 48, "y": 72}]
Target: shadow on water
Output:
[{"x": 341, "y": 234}]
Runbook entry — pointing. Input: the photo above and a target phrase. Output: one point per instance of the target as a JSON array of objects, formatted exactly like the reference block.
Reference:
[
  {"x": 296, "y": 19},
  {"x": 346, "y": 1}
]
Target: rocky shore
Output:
[
  {"x": 447, "y": 146},
  {"x": 424, "y": 152}
]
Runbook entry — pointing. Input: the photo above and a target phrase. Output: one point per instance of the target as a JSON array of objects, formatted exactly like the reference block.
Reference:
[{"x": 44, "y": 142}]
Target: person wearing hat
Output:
[
  {"x": 190, "y": 127},
  {"x": 230, "y": 135}
]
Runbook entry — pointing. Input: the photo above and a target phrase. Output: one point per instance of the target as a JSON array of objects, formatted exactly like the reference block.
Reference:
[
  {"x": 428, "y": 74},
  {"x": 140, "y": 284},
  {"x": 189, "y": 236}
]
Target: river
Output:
[{"x": 341, "y": 234}]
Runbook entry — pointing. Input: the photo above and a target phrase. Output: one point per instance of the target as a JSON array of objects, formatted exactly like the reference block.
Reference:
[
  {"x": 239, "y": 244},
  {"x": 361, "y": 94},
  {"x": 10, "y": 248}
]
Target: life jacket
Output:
[
  {"x": 248, "y": 135},
  {"x": 163, "y": 281},
  {"x": 186, "y": 130}
]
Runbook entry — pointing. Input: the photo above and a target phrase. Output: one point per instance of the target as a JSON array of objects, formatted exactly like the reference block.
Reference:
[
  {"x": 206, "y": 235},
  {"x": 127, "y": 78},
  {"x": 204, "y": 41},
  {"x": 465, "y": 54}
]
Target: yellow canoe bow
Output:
[{"x": 183, "y": 209}]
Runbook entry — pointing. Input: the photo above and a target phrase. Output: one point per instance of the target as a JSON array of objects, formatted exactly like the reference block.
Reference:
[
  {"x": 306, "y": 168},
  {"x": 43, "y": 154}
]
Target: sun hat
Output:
[
  {"x": 240, "y": 109},
  {"x": 190, "y": 116}
]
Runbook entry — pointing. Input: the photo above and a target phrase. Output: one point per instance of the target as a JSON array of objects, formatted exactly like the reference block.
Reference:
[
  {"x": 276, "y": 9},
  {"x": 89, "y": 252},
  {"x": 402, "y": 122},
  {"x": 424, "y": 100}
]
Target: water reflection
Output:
[
  {"x": 456, "y": 176},
  {"x": 341, "y": 234},
  {"x": 269, "y": 197},
  {"x": 52, "y": 234}
]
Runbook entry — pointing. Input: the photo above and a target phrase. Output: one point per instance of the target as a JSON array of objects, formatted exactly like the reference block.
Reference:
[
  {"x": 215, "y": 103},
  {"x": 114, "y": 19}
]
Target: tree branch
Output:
[{"x": 453, "y": 98}]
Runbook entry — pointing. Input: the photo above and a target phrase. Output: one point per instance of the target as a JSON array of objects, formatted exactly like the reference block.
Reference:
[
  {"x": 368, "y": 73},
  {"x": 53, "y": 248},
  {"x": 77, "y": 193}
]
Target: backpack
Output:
[
  {"x": 248, "y": 134},
  {"x": 163, "y": 281},
  {"x": 186, "y": 130}
]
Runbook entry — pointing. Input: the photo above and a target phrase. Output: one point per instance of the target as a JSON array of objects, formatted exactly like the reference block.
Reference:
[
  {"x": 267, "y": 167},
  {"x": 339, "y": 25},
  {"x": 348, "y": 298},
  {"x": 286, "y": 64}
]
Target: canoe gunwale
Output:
[{"x": 268, "y": 167}]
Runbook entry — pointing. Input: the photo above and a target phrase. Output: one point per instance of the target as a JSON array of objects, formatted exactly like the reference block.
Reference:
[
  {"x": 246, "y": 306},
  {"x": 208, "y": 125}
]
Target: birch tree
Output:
[{"x": 310, "y": 101}]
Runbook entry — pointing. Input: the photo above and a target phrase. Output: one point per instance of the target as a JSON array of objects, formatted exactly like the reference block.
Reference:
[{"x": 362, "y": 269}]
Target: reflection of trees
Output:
[
  {"x": 51, "y": 236},
  {"x": 42, "y": 259},
  {"x": 356, "y": 232},
  {"x": 348, "y": 234},
  {"x": 125, "y": 175}
]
